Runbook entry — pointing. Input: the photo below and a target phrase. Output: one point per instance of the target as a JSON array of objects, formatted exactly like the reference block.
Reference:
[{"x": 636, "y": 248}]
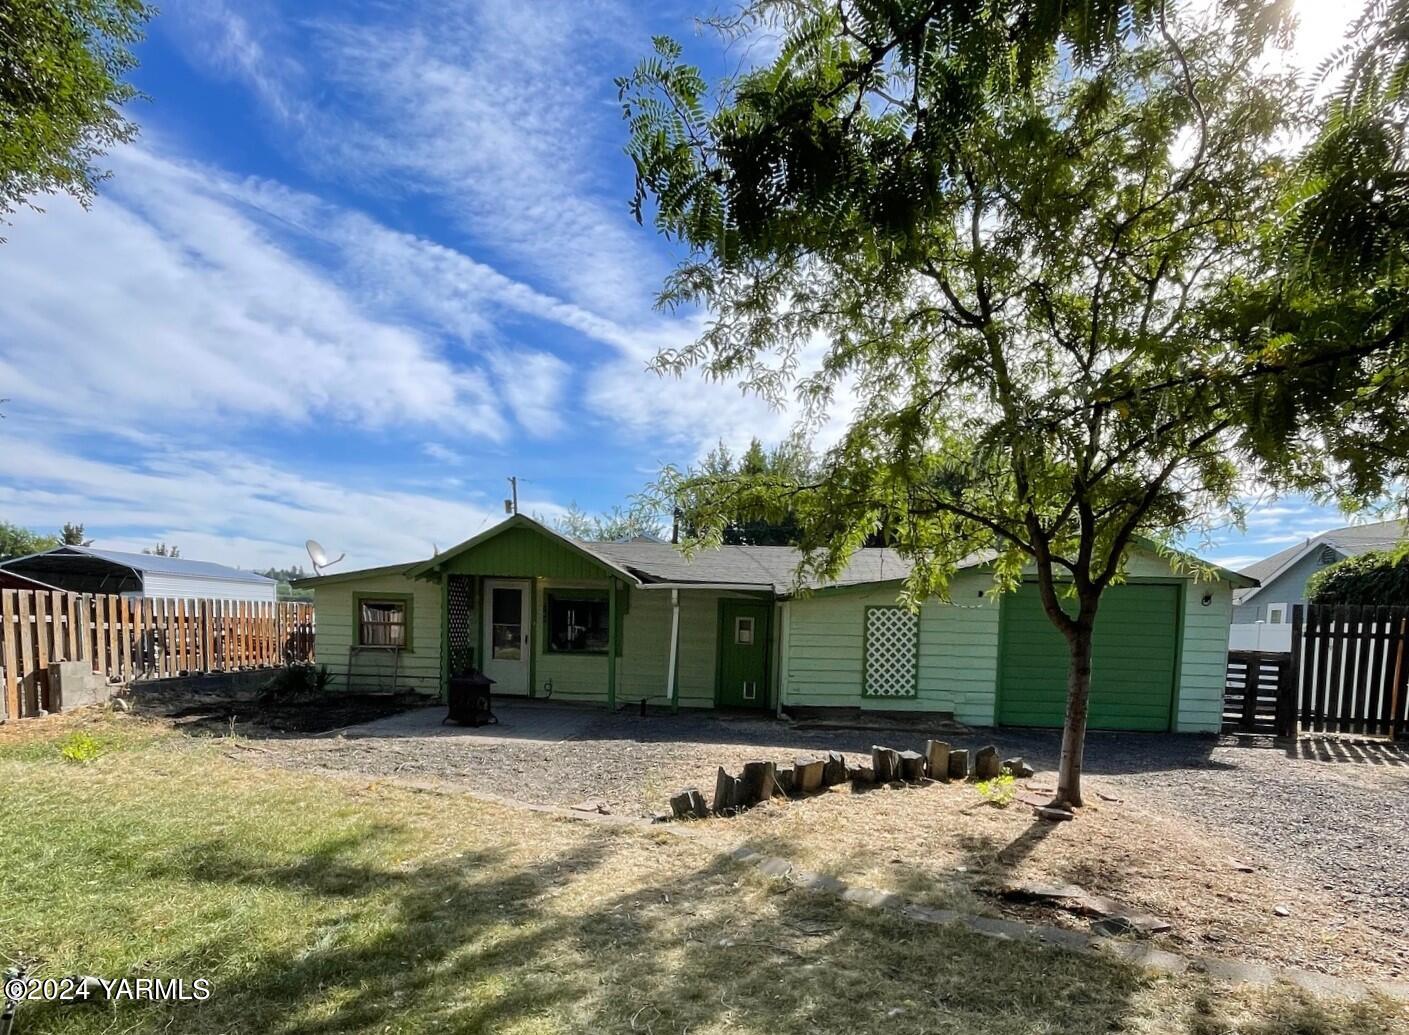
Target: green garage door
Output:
[{"x": 1132, "y": 665}]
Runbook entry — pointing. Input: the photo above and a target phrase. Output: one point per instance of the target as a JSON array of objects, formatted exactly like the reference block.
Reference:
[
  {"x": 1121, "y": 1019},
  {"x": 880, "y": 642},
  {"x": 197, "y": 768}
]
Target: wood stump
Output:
[
  {"x": 912, "y": 766},
  {"x": 861, "y": 774},
  {"x": 757, "y": 783},
  {"x": 834, "y": 772},
  {"x": 785, "y": 779},
  {"x": 689, "y": 804},
  {"x": 886, "y": 764},
  {"x": 959, "y": 765},
  {"x": 726, "y": 793},
  {"x": 986, "y": 764},
  {"x": 937, "y": 757},
  {"x": 808, "y": 774}
]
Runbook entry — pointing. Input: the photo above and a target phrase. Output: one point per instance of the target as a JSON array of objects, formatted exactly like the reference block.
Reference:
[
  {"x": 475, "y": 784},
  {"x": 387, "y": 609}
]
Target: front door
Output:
[
  {"x": 506, "y": 634},
  {"x": 743, "y": 654}
]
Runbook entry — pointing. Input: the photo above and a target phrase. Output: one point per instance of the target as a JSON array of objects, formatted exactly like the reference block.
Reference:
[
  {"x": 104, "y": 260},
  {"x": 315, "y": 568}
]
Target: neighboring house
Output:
[
  {"x": 85, "y": 569},
  {"x": 619, "y": 623},
  {"x": 1282, "y": 581}
]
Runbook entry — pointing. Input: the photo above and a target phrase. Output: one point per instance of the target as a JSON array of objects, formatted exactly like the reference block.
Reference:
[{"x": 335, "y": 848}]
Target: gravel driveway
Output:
[{"x": 1335, "y": 814}]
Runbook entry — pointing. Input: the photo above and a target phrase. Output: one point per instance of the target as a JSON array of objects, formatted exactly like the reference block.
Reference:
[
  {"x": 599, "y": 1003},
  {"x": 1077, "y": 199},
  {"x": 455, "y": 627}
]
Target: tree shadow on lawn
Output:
[{"x": 474, "y": 943}]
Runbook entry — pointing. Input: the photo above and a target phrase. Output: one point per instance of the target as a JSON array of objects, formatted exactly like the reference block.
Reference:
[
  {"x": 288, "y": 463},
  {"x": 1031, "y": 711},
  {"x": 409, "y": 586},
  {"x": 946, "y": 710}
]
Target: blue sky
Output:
[{"x": 364, "y": 261}]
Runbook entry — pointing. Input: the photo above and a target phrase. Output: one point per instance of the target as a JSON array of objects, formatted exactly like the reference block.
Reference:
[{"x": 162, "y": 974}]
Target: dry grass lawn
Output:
[
  {"x": 329, "y": 905},
  {"x": 942, "y": 844}
]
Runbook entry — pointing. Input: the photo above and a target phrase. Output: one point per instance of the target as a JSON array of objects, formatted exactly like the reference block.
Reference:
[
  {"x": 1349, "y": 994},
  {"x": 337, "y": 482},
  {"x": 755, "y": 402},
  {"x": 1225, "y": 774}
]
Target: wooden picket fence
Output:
[
  {"x": 128, "y": 640},
  {"x": 1350, "y": 669}
]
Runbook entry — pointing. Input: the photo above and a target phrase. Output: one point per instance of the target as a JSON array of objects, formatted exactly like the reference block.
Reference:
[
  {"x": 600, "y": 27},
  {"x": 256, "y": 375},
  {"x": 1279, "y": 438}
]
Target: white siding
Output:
[{"x": 155, "y": 584}]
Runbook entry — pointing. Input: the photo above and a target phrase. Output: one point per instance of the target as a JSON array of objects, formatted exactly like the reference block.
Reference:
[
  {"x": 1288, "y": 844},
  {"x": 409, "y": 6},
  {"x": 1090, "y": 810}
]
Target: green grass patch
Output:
[{"x": 321, "y": 905}]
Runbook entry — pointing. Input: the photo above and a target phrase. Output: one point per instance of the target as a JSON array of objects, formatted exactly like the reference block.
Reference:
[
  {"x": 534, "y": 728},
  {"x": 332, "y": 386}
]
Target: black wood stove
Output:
[{"x": 469, "y": 699}]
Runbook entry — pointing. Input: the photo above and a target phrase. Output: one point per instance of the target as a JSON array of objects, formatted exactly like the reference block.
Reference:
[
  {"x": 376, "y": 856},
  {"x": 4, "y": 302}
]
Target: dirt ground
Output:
[{"x": 1292, "y": 859}]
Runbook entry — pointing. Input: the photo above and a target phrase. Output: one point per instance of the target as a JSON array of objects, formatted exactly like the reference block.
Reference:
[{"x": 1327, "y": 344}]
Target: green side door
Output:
[
  {"x": 743, "y": 654},
  {"x": 1135, "y": 652}
]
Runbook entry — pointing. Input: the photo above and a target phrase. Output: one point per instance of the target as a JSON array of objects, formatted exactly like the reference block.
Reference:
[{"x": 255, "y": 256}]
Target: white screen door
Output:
[{"x": 506, "y": 635}]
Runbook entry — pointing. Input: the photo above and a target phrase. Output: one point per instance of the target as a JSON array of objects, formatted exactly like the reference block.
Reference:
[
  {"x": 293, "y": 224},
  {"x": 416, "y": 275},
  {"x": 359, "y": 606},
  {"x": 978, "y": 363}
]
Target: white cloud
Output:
[
  {"x": 499, "y": 113},
  {"x": 442, "y": 454},
  {"x": 226, "y": 506},
  {"x": 166, "y": 302}
]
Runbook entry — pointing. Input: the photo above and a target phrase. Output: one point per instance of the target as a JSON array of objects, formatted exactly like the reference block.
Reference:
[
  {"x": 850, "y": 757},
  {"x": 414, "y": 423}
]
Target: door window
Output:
[
  {"x": 743, "y": 631},
  {"x": 507, "y": 626}
]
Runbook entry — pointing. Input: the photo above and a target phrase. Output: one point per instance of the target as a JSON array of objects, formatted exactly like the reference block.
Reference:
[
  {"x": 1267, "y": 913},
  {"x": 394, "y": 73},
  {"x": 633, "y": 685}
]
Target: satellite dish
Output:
[{"x": 319, "y": 556}]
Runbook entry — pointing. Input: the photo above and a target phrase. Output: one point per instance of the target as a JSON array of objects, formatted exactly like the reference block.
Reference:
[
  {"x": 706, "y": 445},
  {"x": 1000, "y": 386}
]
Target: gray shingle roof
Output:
[
  {"x": 765, "y": 566},
  {"x": 1350, "y": 541}
]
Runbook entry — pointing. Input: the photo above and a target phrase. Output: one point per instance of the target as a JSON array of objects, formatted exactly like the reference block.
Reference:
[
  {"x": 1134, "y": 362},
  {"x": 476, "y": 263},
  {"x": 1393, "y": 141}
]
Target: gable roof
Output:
[
  {"x": 1350, "y": 541},
  {"x": 589, "y": 551},
  {"x": 143, "y": 563}
]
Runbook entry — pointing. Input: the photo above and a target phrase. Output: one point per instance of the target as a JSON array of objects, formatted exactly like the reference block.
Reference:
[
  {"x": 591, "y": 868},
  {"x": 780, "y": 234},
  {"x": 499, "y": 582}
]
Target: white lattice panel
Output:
[{"x": 892, "y": 645}]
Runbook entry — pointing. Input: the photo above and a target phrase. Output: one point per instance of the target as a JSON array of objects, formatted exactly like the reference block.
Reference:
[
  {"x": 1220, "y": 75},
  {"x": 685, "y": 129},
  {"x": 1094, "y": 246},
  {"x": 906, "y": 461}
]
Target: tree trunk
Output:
[{"x": 1074, "y": 731}]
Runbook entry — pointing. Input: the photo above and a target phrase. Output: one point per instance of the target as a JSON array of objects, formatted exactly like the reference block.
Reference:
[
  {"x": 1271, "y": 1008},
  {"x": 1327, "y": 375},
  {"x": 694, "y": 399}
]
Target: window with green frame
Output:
[
  {"x": 383, "y": 620},
  {"x": 577, "y": 621}
]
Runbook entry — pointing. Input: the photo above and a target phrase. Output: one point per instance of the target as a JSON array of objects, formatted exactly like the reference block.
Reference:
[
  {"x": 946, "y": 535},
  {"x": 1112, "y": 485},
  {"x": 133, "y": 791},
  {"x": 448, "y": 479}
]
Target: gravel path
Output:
[{"x": 1336, "y": 815}]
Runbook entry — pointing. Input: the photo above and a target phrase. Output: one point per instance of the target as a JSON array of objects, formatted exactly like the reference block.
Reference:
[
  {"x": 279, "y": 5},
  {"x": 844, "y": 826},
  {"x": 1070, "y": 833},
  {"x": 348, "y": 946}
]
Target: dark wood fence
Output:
[
  {"x": 1253, "y": 693},
  {"x": 1351, "y": 664},
  {"x": 131, "y": 640}
]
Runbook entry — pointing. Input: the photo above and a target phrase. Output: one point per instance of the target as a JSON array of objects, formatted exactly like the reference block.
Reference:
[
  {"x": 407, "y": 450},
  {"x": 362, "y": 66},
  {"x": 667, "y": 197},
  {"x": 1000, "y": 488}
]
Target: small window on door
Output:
[
  {"x": 506, "y": 625},
  {"x": 1276, "y": 614},
  {"x": 743, "y": 631},
  {"x": 382, "y": 623}
]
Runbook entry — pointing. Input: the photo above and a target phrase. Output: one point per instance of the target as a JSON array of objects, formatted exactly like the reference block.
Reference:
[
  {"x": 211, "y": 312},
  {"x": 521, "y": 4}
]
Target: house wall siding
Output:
[
  {"x": 959, "y": 646},
  {"x": 1288, "y": 588},
  {"x": 1203, "y": 657},
  {"x": 958, "y": 651},
  {"x": 419, "y": 667},
  {"x": 575, "y": 677}
]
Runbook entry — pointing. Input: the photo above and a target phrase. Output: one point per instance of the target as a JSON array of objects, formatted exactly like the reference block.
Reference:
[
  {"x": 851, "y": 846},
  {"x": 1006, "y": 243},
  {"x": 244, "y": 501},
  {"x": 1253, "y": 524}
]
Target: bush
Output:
[
  {"x": 1377, "y": 577},
  {"x": 295, "y": 682},
  {"x": 81, "y": 747},
  {"x": 1000, "y": 790}
]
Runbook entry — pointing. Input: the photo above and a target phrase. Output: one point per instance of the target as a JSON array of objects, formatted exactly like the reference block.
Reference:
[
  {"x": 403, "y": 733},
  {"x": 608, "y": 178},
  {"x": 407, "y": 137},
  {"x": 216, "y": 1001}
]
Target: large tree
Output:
[
  {"x": 63, "y": 65},
  {"x": 1030, "y": 248}
]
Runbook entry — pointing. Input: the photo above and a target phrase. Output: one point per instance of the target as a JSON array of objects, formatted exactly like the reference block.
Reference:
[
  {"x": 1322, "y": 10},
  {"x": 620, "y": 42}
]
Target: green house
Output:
[{"x": 620, "y": 623}]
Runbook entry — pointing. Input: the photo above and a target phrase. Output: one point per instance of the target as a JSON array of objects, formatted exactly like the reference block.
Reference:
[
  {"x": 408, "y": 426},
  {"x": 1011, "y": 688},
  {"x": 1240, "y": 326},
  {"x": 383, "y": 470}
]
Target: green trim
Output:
[
  {"x": 612, "y": 639},
  {"x": 866, "y": 654},
  {"x": 1182, "y": 604},
  {"x": 998, "y": 666},
  {"x": 314, "y": 581},
  {"x": 401, "y": 598},
  {"x": 517, "y": 521},
  {"x": 532, "y": 637}
]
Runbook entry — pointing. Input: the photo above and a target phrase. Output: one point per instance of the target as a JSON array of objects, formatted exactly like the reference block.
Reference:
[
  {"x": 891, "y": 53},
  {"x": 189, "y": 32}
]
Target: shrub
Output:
[
  {"x": 80, "y": 747},
  {"x": 1377, "y": 577},
  {"x": 295, "y": 682},
  {"x": 1000, "y": 790}
]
